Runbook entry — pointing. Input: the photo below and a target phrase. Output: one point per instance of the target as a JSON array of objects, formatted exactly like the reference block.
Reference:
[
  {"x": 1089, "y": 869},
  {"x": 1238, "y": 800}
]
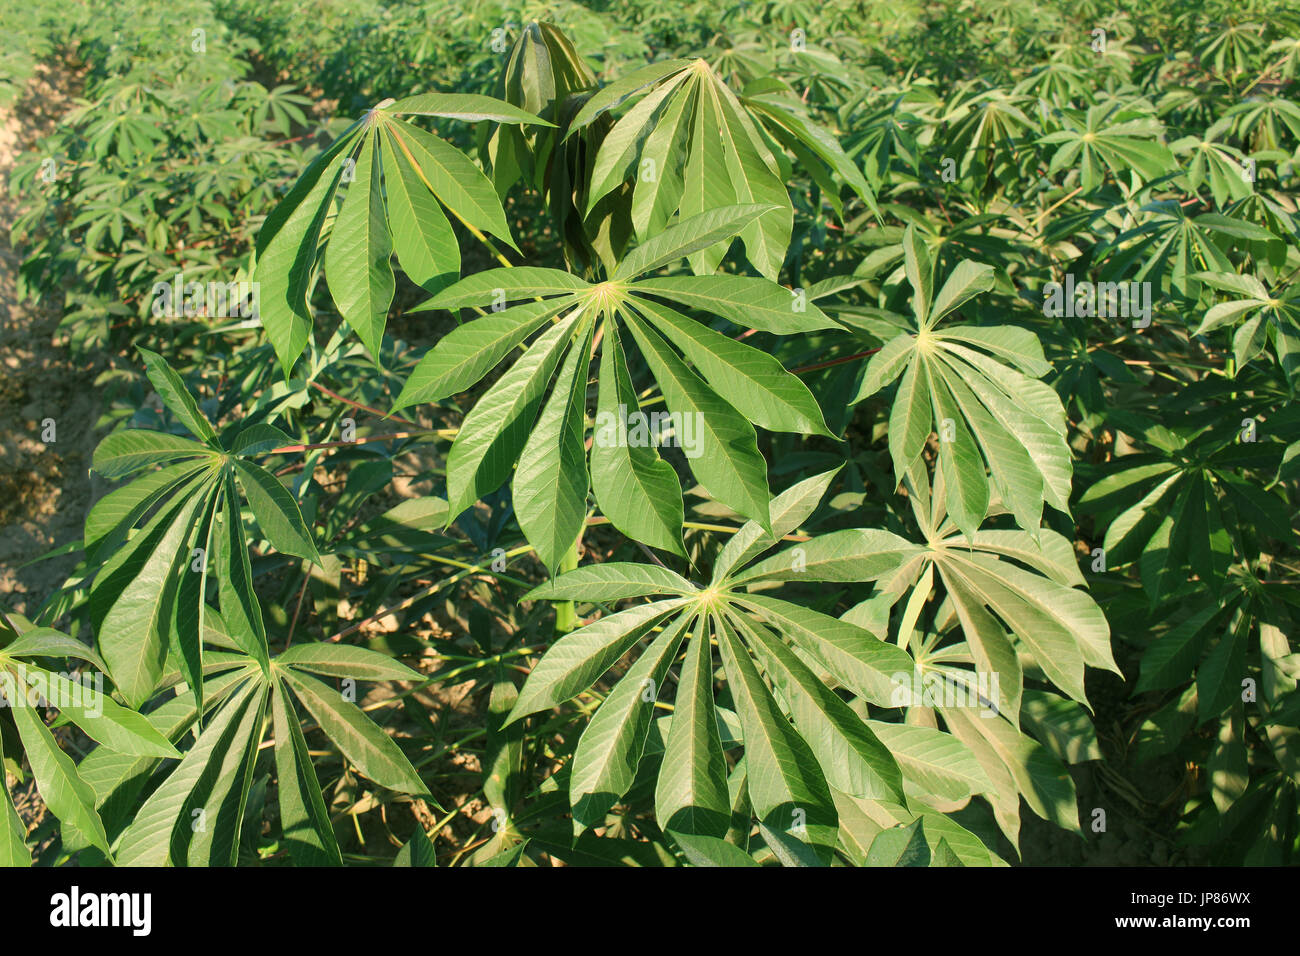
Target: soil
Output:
[{"x": 45, "y": 486}]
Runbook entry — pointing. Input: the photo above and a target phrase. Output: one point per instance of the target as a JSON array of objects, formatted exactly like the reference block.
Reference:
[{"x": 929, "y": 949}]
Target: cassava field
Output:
[{"x": 852, "y": 433}]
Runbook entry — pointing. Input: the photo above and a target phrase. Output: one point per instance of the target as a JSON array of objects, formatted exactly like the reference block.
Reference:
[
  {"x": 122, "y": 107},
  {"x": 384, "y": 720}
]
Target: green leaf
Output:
[
  {"x": 13, "y": 835},
  {"x": 133, "y": 635},
  {"x": 704, "y": 850},
  {"x": 615, "y": 93},
  {"x": 609, "y": 750},
  {"x": 457, "y": 182},
  {"x": 966, "y": 281},
  {"x": 357, "y": 259},
  {"x": 636, "y": 489},
  {"x": 66, "y": 795},
  {"x": 1061, "y": 725},
  {"x": 549, "y": 489},
  {"x": 617, "y": 157},
  {"x": 1041, "y": 779},
  {"x": 785, "y": 784},
  {"x": 612, "y": 581},
  {"x": 852, "y": 758},
  {"x": 470, "y": 107},
  {"x": 239, "y": 604},
  {"x": 910, "y": 418},
  {"x": 496, "y": 286},
  {"x": 161, "y": 829},
  {"x": 1018, "y": 346},
  {"x": 102, "y": 718},
  {"x": 287, "y": 250},
  {"x": 493, "y": 433},
  {"x": 753, "y": 382},
  {"x": 372, "y": 751},
  {"x": 176, "y": 397},
  {"x": 885, "y": 366},
  {"x": 854, "y": 554},
  {"x": 468, "y": 352},
  {"x": 258, "y": 439},
  {"x": 960, "y": 462},
  {"x": 127, "y": 451},
  {"x": 577, "y": 660},
  {"x": 691, "y": 794},
  {"x": 788, "y": 510},
  {"x": 938, "y": 764},
  {"x": 112, "y": 516},
  {"x": 855, "y": 657},
  {"x": 304, "y": 820},
  {"x": 688, "y": 236},
  {"x": 346, "y": 660},
  {"x": 746, "y": 301},
  {"x": 920, "y": 272},
  {"x": 422, "y": 237},
  {"x": 47, "y": 642},
  {"x": 728, "y": 464},
  {"x": 222, "y": 793},
  {"x": 900, "y": 846},
  {"x": 276, "y": 512},
  {"x": 418, "y": 851}
]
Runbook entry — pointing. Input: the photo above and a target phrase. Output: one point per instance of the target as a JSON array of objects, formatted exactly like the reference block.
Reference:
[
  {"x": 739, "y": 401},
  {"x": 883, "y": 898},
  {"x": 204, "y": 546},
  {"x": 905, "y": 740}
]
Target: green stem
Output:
[{"x": 566, "y": 616}]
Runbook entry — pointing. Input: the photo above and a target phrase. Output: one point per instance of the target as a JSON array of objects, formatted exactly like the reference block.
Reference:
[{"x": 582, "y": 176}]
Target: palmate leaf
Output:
[
  {"x": 799, "y": 743},
  {"x": 1192, "y": 499},
  {"x": 1118, "y": 140},
  {"x": 1168, "y": 248},
  {"x": 714, "y": 404},
  {"x": 196, "y": 812},
  {"x": 395, "y": 179},
  {"x": 1259, "y": 317},
  {"x": 147, "y": 596},
  {"x": 999, "y": 429},
  {"x": 685, "y": 128},
  {"x": 1030, "y": 582}
]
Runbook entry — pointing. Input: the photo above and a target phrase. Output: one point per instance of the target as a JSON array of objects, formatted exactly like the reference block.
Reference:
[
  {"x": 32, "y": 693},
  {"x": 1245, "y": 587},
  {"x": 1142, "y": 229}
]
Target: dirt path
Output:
[{"x": 45, "y": 488}]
